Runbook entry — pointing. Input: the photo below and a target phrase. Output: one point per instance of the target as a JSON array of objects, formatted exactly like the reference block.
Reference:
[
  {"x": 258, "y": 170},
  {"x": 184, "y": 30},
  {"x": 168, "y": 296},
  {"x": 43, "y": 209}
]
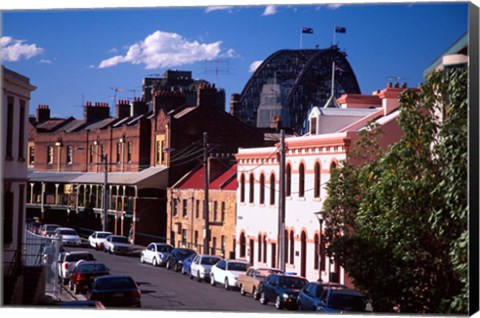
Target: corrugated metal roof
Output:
[
  {"x": 74, "y": 125},
  {"x": 100, "y": 124},
  {"x": 156, "y": 177}
]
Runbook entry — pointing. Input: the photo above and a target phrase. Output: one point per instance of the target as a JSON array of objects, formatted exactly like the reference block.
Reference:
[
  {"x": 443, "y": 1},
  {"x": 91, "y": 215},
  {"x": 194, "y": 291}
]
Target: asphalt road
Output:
[{"x": 164, "y": 289}]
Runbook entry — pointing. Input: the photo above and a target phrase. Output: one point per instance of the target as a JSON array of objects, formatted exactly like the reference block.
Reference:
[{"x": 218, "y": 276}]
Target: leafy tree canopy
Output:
[{"x": 398, "y": 223}]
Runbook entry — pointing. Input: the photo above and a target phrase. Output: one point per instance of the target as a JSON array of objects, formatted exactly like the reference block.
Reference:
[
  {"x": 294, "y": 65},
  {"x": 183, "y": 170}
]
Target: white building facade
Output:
[
  {"x": 15, "y": 109},
  {"x": 310, "y": 160}
]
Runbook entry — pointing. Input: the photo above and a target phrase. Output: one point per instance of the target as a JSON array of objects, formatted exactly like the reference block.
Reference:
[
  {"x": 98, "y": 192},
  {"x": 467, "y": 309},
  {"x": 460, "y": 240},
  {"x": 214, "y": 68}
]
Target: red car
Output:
[{"x": 84, "y": 274}]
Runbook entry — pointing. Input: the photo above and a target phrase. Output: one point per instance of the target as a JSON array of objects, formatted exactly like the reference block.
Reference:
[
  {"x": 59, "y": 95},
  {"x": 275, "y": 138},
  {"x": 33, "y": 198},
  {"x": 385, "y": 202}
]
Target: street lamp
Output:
[{"x": 319, "y": 216}]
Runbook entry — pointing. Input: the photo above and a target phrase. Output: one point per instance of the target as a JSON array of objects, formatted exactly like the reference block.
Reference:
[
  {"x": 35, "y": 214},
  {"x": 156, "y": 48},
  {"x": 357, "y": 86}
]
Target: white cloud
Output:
[
  {"x": 43, "y": 61},
  {"x": 218, "y": 8},
  {"x": 253, "y": 67},
  {"x": 163, "y": 49},
  {"x": 270, "y": 10},
  {"x": 334, "y": 6},
  {"x": 13, "y": 50}
]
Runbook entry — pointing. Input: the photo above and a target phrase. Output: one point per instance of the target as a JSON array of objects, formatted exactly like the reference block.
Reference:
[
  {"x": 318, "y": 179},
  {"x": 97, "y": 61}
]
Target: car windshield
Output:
[
  {"x": 209, "y": 260},
  {"x": 184, "y": 253},
  {"x": 292, "y": 282},
  {"x": 347, "y": 302},
  {"x": 89, "y": 268},
  {"x": 265, "y": 272},
  {"x": 77, "y": 257},
  {"x": 119, "y": 239},
  {"x": 164, "y": 248},
  {"x": 68, "y": 232},
  {"x": 115, "y": 283},
  {"x": 234, "y": 266},
  {"x": 103, "y": 235}
]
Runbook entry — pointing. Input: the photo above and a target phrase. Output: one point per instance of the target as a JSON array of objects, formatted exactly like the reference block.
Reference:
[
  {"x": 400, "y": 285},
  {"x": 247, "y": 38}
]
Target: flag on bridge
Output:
[
  {"x": 307, "y": 30},
  {"x": 340, "y": 29}
]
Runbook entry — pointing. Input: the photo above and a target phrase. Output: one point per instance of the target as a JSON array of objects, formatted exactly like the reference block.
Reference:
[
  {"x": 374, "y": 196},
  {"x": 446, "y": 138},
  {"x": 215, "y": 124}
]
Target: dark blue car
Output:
[
  {"x": 309, "y": 296},
  {"x": 187, "y": 263},
  {"x": 283, "y": 289}
]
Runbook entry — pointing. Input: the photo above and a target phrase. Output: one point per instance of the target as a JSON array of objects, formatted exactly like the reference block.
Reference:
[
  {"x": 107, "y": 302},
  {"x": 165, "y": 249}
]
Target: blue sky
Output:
[{"x": 81, "y": 55}]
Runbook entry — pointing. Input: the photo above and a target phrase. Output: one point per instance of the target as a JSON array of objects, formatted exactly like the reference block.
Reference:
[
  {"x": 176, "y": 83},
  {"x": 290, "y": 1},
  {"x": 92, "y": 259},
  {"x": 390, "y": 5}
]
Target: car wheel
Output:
[
  {"x": 167, "y": 266},
  {"x": 111, "y": 250},
  {"x": 154, "y": 262},
  {"x": 183, "y": 271},
  {"x": 142, "y": 259},
  {"x": 227, "y": 287},
  {"x": 242, "y": 290},
  {"x": 212, "y": 281},
  {"x": 278, "y": 303},
  {"x": 190, "y": 274},
  {"x": 263, "y": 299},
  {"x": 255, "y": 293},
  {"x": 299, "y": 306},
  {"x": 199, "y": 279}
]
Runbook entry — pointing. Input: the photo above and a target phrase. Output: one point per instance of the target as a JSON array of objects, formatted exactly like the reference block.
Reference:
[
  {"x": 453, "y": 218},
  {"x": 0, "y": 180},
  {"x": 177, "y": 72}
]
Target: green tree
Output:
[{"x": 398, "y": 224}]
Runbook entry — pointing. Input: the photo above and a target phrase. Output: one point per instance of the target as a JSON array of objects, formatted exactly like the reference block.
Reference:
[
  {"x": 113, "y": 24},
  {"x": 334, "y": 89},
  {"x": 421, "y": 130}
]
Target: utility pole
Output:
[
  {"x": 105, "y": 193},
  {"x": 281, "y": 204},
  {"x": 206, "y": 237}
]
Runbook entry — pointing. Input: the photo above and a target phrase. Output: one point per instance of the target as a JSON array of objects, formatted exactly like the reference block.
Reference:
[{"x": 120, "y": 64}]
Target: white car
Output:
[
  {"x": 68, "y": 260},
  {"x": 97, "y": 238},
  {"x": 201, "y": 266},
  {"x": 156, "y": 254},
  {"x": 68, "y": 236},
  {"x": 117, "y": 244},
  {"x": 226, "y": 272}
]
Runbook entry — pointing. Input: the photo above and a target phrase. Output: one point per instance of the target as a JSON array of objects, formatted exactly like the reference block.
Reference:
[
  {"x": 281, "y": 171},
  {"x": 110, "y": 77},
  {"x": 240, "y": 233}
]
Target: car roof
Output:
[
  {"x": 114, "y": 277},
  {"x": 103, "y": 232},
  {"x": 77, "y": 252},
  {"x": 65, "y": 228},
  {"x": 347, "y": 291},
  {"x": 160, "y": 243}
]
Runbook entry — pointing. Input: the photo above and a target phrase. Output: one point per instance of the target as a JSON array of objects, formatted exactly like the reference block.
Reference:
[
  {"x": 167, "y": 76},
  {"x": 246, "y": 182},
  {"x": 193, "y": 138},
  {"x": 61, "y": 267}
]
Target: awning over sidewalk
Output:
[{"x": 153, "y": 177}]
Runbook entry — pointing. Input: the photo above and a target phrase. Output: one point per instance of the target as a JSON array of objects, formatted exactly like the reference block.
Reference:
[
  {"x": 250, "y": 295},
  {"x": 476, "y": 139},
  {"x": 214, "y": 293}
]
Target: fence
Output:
[{"x": 43, "y": 251}]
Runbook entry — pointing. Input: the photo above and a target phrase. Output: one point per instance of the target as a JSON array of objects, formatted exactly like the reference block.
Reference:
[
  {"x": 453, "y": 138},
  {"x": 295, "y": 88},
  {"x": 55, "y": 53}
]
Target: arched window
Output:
[
  {"x": 259, "y": 254},
  {"x": 333, "y": 166},
  {"x": 292, "y": 246},
  {"x": 242, "y": 188},
  {"x": 301, "y": 180},
  {"x": 242, "y": 245},
  {"x": 262, "y": 189},
  {"x": 264, "y": 248},
  {"x": 288, "y": 180},
  {"x": 317, "y": 251},
  {"x": 252, "y": 188},
  {"x": 272, "y": 189},
  {"x": 316, "y": 183},
  {"x": 285, "y": 247}
]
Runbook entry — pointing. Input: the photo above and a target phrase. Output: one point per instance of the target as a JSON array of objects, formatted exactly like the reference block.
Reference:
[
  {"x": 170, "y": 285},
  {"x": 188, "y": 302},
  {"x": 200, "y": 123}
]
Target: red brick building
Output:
[{"x": 145, "y": 147}]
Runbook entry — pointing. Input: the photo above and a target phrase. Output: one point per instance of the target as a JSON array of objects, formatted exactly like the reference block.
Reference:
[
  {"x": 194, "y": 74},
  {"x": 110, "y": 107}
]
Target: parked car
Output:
[
  {"x": 226, "y": 272},
  {"x": 34, "y": 226},
  {"x": 309, "y": 297},
  {"x": 49, "y": 229},
  {"x": 187, "y": 263},
  {"x": 116, "y": 291},
  {"x": 68, "y": 236},
  {"x": 201, "y": 266},
  {"x": 117, "y": 244},
  {"x": 85, "y": 272},
  {"x": 156, "y": 253},
  {"x": 340, "y": 301},
  {"x": 97, "y": 238},
  {"x": 176, "y": 258},
  {"x": 67, "y": 261},
  {"x": 248, "y": 282},
  {"x": 281, "y": 288}
]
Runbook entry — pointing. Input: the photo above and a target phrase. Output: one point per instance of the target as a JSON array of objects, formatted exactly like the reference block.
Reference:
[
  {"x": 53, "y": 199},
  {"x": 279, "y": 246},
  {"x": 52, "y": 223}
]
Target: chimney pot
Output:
[{"x": 389, "y": 85}]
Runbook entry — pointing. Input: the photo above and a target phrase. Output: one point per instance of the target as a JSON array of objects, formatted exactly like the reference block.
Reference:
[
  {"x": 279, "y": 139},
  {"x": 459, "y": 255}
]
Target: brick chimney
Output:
[
  {"x": 206, "y": 95},
  {"x": 96, "y": 112},
  {"x": 139, "y": 107},
  {"x": 123, "y": 109},
  {"x": 234, "y": 103},
  {"x": 167, "y": 100},
  {"x": 43, "y": 113}
]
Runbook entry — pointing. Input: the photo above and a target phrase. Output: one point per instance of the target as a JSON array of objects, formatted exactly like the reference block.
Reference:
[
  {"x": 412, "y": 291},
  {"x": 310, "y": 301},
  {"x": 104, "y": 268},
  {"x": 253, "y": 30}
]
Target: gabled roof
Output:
[{"x": 195, "y": 179}]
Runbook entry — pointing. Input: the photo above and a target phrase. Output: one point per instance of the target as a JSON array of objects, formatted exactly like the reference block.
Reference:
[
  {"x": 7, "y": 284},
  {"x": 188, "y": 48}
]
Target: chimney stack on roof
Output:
[
  {"x": 206, "y": 95},
  {"x": 124, "y": 109},
  {"x": 139, "y": 107},
  {"x": 234, "y": 102},
  {"x": 43, "y": 113},
  {"x": 98, "y": 111},
  {"x": 167, "y": 100}
]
